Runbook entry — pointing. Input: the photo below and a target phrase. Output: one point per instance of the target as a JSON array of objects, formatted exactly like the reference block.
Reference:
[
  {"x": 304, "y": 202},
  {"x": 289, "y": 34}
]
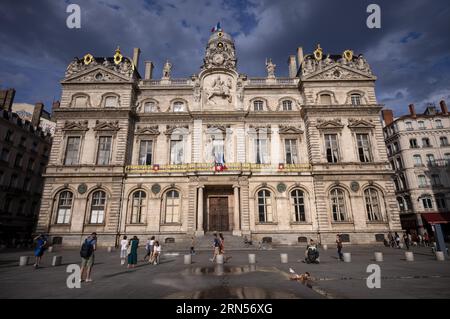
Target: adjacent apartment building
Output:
[
  {"x": 24, "y": 153},
  {"x": 419, "y": 153}
]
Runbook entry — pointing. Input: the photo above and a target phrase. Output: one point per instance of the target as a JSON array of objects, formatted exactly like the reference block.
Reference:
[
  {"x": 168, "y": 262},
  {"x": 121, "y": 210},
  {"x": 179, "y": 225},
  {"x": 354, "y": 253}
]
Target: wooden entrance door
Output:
[{"x": 218, "y": 214}]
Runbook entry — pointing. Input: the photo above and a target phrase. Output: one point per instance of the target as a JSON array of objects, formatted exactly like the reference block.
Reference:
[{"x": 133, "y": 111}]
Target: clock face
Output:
[{"x": 218, "y": 59}]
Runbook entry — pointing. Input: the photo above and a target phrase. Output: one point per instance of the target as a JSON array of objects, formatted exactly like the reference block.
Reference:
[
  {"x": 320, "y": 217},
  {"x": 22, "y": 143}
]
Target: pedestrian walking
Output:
[
  {"x": 41, "y": 243},
  {"x": 216, "y": 246},
  {"x": 123, "y": 250},
  {"x": 149, "y": 247},
  {"x": 132, "y": 252},
  {"x": 397, "y": 240},
  {"x": 87, "y": 254},
  {"x": 426, "y": 239},
  {"x": 406, "y": 240},
  {"x": 156, "y": 254},
  {"x": 339, "y": 247},
  {"x": 192, "y": 245},
  {"x": 222, "y": 248}
]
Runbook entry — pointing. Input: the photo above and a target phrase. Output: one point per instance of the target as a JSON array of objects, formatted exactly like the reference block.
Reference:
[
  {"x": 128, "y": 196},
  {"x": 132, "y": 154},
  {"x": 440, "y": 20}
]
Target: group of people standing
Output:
[
  {"x": 394, "y": 240},
  {"x": 129, "y": 251}
]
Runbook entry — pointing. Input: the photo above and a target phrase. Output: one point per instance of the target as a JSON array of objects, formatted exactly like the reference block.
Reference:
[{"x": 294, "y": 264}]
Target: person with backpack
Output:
[
  {"x": 41, "y": 243},
  {"x": 216, "y": 245},
  {"x": 87, "y": 256}
]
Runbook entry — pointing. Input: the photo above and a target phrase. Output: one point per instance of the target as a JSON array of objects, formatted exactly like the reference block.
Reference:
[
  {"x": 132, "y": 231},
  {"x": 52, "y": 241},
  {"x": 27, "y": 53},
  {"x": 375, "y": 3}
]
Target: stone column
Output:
[
  {"x": 236, "y": 215},
  {"x": 200, "y": 231}
]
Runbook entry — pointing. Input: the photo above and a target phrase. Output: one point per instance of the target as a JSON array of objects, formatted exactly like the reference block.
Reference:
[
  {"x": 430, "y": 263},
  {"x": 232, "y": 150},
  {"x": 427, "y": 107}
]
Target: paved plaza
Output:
[{"x": 269, "y": 278}]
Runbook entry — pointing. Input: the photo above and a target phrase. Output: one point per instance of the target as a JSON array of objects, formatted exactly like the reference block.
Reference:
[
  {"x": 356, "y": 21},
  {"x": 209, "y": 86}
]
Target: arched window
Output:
[
  {"x": 111, "y": 101},
  {"x": 427, "y": 202},
  {"x": 178, "y": 107},
  {"x": 287, "y": 105},
  {"x": 150, "y": 107},
  {"x": 64, "y": 207},
  {"x": 356, "y": 99},
  {"x": 373, "y": 209},
  {"x": 338, "y": 208},
  {"x": 172, "y": 207},
  {"x": 258, "y": 105},
  {"x": 401, "y": 204},
  {"x": 138, "y": 205},
  {"x": 80, "y": 101},
  {"x": 298, "y": 205},
  {"x": 265, "y": 206},
  {"x": 325, "y": 99},
  {"x": 98, "y": 205}
]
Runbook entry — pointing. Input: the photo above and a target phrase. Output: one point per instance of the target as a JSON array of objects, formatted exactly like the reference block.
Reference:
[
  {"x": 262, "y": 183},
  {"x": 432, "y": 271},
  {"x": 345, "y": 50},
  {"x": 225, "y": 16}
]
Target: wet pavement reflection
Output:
[{"x": 233, "y": 293}]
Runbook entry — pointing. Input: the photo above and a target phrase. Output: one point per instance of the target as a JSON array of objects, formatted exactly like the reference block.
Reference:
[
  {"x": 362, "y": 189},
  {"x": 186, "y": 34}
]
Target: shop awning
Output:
[{"x": 437, "y": 218}]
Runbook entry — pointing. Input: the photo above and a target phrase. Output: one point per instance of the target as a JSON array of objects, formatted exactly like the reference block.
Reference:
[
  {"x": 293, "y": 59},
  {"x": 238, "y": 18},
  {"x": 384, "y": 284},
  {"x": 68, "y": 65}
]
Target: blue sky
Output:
[{"x": 410, "y": 54}]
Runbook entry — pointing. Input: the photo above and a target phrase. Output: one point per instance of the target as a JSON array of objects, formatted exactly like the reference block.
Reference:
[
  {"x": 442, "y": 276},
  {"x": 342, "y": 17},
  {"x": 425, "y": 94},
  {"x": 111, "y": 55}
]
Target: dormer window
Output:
[
  {"x": 111, "y": 101},
  {"x": 356, "y": 99},
  {"x": 325, "y": 99},
  {"x": 258, "y": 106},
  {"x": 287, "y": 105},
  {"x": 80, "y": 101},
  {"x": 178, "y": 107}
]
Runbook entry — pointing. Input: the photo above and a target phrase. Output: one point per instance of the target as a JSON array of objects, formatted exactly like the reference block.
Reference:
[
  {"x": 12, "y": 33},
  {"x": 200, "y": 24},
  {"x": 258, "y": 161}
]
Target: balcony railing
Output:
[{"x": 210, "y": 167}]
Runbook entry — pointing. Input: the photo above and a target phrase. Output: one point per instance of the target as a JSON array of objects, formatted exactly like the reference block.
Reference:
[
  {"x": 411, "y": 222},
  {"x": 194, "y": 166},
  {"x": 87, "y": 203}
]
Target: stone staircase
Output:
[{"x": 206, "y": 243}]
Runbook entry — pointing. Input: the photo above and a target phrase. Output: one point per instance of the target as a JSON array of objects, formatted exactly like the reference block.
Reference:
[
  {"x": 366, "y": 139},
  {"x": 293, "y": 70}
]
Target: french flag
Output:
[{"x": 216, "y": 28}]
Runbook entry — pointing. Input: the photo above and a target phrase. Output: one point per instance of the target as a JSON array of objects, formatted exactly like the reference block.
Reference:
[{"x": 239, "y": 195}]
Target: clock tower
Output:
[{"x": 220, "y": 52}]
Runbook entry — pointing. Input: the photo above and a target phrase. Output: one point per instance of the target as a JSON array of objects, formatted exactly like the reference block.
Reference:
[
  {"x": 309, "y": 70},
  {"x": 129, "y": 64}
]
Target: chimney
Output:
[
  {"x": 412, "y": 110},
  {"x": 136, "y": 55},
  {"x": 300, "y": 56},
  {"x": 388, "y": 117},
  {"x": 149, "y": 66},
  {"x": 444, "y": 108},
  {"x": 292, "y": 66},
  {"x": 56, "y": 105},
  {"x": 7, "y": 99},
  {"x": 37, "y": 112}
]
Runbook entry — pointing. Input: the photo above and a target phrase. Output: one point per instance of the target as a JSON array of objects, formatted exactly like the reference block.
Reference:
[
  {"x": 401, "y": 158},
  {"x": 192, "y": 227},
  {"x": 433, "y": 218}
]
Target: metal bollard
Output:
[
  {"x": 110, "y": 249},
  {"x": 347, "y": 257},
  {"x": 219, "y": 259},
  {"x": 325, "y": 247},
  {"x": 378, "y": 257},
  {"x": 440, "y": 256},
  {"x": 23, "y": 261},
  {"x": 251, "y": 258},
  {"x": 409, "y": 256},
  {"x": 284, "y": 258},
  {"x": 187, "y": 259},
  {"x": 50, "y": 249},
  {"x": 57, "y": 261}
]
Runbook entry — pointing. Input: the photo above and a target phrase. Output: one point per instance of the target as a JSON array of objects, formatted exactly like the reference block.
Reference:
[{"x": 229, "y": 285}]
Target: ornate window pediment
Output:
[
  {"x": 286, "y": 129},
  {"x": 330, "y": 124},
  {"x": 360, "y": 124},
  {"x": 81, "y": 126},
  {"x": 147, "y": 130},
  {"x": 214, "y": 129},
  {"x": 338, "y": 73},
  {"x": 107, "y": 126},
  {"x": 260, "y": 129},
  {"x": 177, "y": 129}
]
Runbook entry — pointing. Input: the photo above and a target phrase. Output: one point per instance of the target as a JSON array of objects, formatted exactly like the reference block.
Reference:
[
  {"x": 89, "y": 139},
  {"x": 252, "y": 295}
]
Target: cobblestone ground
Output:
[{"x": 269, "y": 278}]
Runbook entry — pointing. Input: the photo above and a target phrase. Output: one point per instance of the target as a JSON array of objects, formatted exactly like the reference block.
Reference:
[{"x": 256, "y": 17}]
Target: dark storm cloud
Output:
[{"x": 409, "y": 54}]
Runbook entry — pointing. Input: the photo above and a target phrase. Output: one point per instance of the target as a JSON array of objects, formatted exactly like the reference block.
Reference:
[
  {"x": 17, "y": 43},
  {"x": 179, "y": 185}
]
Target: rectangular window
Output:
[
  {"x": 440, "y": 202},
  {"x": 422, "y": 125},
  {"x": 331, "y": 146},
  {"x": 417, "y": 160},
  {"x": 111, "y": 101},
  {"x": 5, "y": 155},
  {"x": 409, "y": 126},
  {"x": 261, "y": 151},
  {"x": 426, "y": 142},
  {"x": 218, "y": 151},
  {"x": 13, "y": 182},
  {"x": 356, "y": 99},
  {"x": 9, "y": 136},
  {"x": 27, "y": 184},
  {"x": 413, "y": 143},
  {"x": 439, "y": 124},
  {"x": 176, "y": 152},
  {"x": 435, "y": 180},
  {"x": 104, "y": 150},
  {"x": 145, "y": 153},
  {"x": 427, "y": 203},
  {"x": 444, "y": 141},
  {"x": 23, "y": 141},
  {"x": 363, "y": 148},
  {"x": 422, "y": 181},
  {"x": 290, "y": 146},
  {"x": 399, "y": 163},
  {"x": 72, "y": 150},
  {"x": 18, "y": 161},
  {"x": 430, "y": 160},
  {"x": 34, "y": 147},
  {"x": 2, "y": 176}
]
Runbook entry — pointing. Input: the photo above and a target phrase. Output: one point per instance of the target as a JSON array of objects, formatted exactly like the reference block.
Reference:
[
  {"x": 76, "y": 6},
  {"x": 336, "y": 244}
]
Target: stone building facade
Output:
[
  {"x": 419, "y": 152},
  {"x": 280, "y": 158},
  {"x": 24, "y": 153}
]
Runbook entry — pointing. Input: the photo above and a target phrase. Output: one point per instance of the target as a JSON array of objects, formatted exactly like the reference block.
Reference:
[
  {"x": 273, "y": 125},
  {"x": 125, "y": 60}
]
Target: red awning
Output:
[{"x": 437, "y": 218}]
